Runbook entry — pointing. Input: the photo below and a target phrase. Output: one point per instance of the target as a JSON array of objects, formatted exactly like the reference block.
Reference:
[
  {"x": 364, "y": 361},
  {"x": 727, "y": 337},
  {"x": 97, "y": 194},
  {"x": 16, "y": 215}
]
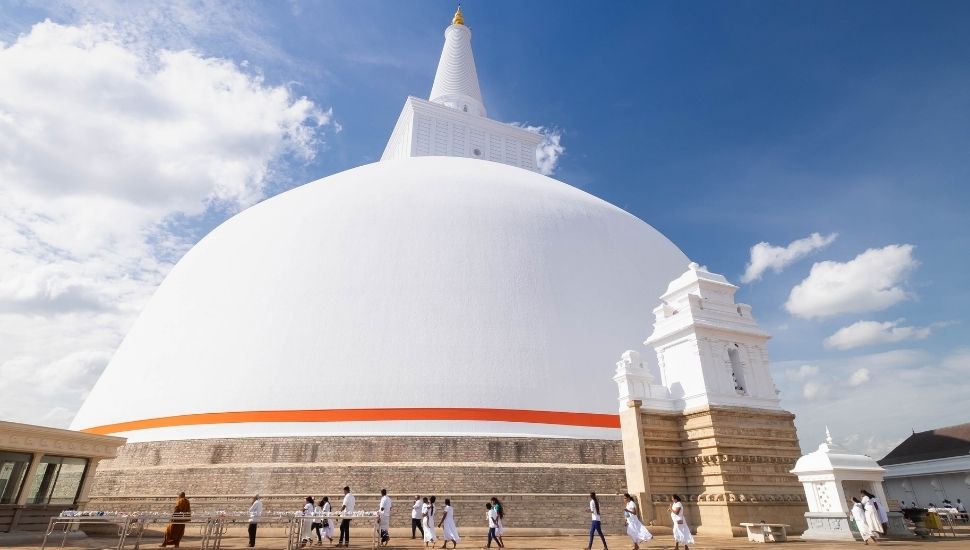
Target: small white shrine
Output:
[{"x": 831, "y": 476}]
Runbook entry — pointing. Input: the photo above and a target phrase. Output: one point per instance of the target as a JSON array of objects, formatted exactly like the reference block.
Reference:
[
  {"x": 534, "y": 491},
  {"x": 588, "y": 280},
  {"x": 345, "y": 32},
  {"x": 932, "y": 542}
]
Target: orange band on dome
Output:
[{"x": 588, "y": 420}]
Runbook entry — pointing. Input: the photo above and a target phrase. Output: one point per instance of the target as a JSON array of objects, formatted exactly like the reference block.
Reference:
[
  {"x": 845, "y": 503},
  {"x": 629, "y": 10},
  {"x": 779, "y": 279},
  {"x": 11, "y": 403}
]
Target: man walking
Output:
[
  {"x": 385, "y": 517},
  {"x": 346, "y": 509},
  {"x": 255, "y": 510},
  {"x": 416, "y": 517},
  {"x": 176, "y": 530}
]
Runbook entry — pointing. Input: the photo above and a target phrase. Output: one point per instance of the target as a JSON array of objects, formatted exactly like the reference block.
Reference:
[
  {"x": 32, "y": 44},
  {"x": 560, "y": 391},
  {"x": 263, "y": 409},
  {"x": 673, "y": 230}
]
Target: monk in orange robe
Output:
[{"x": 175, "y": 530}]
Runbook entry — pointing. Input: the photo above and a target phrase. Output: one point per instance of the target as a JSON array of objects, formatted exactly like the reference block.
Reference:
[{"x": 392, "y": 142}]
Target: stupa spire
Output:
[
  {"x": 452, "y": 122},
  {"x": 456, "y": 81}
]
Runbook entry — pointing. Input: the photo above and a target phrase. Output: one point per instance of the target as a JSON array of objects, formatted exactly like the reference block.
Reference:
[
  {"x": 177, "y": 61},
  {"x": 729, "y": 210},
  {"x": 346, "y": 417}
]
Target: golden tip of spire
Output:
[{"x": 458, "y": 19}]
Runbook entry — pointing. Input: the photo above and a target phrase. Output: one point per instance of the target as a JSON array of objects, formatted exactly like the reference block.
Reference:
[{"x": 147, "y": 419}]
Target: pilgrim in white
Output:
[
  {"x": 326, "y": 508},
  {"x": 634, "y": 528},
  {"x": 681, "y": 529},
  {"x": 871, "y": 508},
  {"x": 384, "y": 517},
  {"x": 859, "y": 516},
  {"x": 449, "y": 531},
  {"x": 307, "y": 524},
  {"x": 596, "y": 525},
  {"x": 427, "y": 512}
]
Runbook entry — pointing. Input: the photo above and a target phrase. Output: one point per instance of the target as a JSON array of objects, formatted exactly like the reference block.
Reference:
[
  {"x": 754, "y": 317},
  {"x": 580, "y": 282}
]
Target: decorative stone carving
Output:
[{"x": 24, "y": 437}]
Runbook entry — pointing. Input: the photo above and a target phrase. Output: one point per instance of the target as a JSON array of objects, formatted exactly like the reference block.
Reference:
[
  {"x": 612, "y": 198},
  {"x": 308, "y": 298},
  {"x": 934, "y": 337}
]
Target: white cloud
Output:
[
  {"x": 860, "y": 376},
  {"x": 550, "y": 150},
  {"x": 869, "y": 282},
  {"x": 958, "y": 362},
  {"x": 867, "y": 333},
  {"x": 871, "y": 401},
  {"x": 892, "y": 359},
  {"x": 103, "y": 144},
  {"x": 870, "y": 445},
  {"x": 813, "y": 389},
  {"x": 765, "y": 256},
  {"x": 802, "y": 372},
  {"x": 175, "y": 24}
]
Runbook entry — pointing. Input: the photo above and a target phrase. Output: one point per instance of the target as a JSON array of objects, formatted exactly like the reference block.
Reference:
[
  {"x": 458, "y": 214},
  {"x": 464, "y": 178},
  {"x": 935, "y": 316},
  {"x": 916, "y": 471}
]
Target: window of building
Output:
[
  {"x": 57, "y": 480},
  {"x": 13, "y": 469},
  {"x": 737, "y": 371}
]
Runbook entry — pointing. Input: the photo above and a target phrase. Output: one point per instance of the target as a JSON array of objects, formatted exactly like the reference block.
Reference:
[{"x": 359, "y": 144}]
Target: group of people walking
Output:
[
  {"x": 321, "y": 527},
  {"x": 870, "y": 516},
  {"x": 633, "y": 519},
  {"x": 426, "y": 518}
]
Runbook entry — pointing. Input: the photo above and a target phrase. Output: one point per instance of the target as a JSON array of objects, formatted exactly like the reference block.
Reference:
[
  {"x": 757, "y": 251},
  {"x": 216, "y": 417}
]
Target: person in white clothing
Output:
[
  {"x": 596, "y": 525},
  {"x": 500, "y": 527},
  {"x": 491, "y": 516},
  {"x": 872, "y": 515},
  {"x": 306, "y": 526},
  {"x": 881, "y": 510},
  {"x": 255, "y": 510},
  {"x": 346, "y": 510},
  {"x": 416, "y": 517},
  {"x": 427, "y": 513},
  {"x": 449, "y": 531},
  {"x": 859, "y": 515},
  {"x": 681, "y": 529},
  {"x": 384, "y": 517},
  {"x": 317, "y": 524},
  {"x": 634, "y": 528},
  {"x": 326, "y": 508}
]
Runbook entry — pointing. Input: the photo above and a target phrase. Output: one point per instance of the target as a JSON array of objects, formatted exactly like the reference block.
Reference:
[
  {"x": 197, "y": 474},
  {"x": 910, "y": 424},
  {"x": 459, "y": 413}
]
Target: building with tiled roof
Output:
[{"x": 930, "y": 467}]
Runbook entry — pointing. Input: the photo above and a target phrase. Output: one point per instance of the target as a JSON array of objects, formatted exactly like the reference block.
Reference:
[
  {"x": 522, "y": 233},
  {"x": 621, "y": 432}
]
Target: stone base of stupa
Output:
[{"x": 544, "y": 482}]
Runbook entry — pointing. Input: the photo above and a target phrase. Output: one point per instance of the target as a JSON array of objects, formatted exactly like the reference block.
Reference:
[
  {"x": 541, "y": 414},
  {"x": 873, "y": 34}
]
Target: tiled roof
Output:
[{"x": 933, "y": 444}]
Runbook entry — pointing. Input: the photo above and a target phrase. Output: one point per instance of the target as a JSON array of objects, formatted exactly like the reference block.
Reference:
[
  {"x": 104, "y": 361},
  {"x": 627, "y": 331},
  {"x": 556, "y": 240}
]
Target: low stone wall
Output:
[{"x": 544, "y": 483}]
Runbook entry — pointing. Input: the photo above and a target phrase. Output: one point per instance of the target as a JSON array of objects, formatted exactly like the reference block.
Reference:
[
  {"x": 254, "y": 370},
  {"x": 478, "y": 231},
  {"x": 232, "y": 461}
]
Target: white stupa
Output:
[{"x": 448, "y": 289}]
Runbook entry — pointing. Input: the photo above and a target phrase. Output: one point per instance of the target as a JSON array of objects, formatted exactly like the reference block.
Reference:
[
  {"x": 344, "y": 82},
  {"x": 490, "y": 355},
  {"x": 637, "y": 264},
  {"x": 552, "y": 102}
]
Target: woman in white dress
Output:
[
  {"x": 427, "y": 514},
  {"x": 681, "y": 529},
  {"x": 634, "y": 528},
  {"x": 881, "y": 510},
  {"x": 859, "y": 515},
  {"x": 872, "y": 515},
  {"x": 327, "y": 523},
  {"x": 449, "y": 531},
  {"x": 305, "y": 527}
]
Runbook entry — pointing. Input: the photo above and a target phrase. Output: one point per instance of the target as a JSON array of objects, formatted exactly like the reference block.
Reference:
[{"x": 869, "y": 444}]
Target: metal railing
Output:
[{"x": 213, "y": 526}]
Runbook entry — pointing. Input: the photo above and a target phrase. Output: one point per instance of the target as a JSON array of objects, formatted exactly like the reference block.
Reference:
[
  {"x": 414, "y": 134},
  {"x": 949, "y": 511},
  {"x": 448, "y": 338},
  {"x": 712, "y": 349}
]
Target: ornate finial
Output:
[
  {"x": 828, "y": 436},
  {"x": 693, "y": 266},
  {"x": 458, "y": 19}
]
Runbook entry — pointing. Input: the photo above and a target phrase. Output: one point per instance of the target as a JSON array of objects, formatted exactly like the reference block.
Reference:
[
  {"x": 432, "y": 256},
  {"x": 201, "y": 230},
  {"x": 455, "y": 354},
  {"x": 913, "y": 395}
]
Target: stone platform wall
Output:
[
  {"x": 729, "y": 464},
  {"x": 544, "y": 482}
]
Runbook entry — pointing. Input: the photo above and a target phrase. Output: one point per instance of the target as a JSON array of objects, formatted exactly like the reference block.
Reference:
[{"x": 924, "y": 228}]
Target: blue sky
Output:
[{"x": 723, "y": 124}]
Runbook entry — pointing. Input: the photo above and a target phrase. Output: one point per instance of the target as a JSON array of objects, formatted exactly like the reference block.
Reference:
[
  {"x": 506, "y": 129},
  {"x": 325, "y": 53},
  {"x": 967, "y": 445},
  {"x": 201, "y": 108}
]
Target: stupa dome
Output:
[{"x": 433, "y": 295}]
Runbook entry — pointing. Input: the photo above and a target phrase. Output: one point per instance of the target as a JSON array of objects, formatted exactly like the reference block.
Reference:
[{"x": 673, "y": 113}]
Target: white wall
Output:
[{"x": 925, "y": 489}]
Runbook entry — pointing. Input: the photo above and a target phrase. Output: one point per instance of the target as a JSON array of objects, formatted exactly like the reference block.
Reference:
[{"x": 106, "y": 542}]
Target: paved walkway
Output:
[{"x": 563, "y": 542}]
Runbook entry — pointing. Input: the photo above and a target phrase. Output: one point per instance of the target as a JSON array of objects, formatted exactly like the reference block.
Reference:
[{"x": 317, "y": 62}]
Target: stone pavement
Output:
[{"x": 237, "y": 540}]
